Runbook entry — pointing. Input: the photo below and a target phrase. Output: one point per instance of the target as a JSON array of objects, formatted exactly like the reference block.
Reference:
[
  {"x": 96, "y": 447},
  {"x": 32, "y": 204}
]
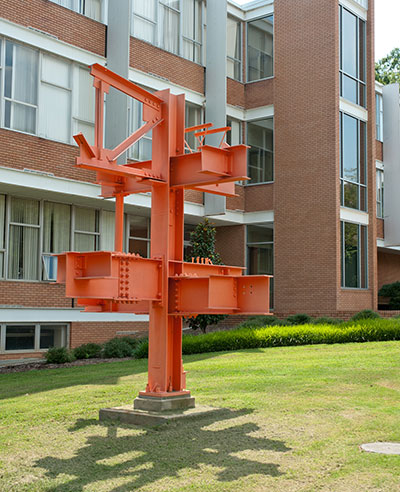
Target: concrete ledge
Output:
[
  {"x": 127, "y": 415},
  {"x": 163, "y": 404}
]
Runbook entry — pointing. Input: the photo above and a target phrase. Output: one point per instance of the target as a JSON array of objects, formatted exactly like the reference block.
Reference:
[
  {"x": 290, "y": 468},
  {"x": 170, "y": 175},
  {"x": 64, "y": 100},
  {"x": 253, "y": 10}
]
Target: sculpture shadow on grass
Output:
[{"x": 149, "y": 455}]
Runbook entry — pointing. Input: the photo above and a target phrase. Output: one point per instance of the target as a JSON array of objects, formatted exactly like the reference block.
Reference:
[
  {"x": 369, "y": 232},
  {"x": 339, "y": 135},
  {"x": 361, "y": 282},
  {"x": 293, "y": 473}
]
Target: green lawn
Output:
[{"x": 290, "y": 419}]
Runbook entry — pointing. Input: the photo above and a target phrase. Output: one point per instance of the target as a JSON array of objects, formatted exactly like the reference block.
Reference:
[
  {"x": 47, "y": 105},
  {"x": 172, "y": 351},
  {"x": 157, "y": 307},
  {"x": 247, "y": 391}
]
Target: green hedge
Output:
[{"x": 369, "y": 330}]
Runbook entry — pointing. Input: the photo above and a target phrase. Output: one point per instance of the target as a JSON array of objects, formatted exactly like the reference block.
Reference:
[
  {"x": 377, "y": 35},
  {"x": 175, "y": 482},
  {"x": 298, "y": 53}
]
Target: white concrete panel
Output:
[
  {"x": 391, "y": 152},
  {"x": 355, "y": 216},
  {"x": 353, "y": 109},
  {"x": 28, "y": 315}
]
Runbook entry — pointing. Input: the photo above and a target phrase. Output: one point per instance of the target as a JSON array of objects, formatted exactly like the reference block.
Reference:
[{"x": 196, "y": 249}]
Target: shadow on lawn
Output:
[{"x": 164, "y": 452}]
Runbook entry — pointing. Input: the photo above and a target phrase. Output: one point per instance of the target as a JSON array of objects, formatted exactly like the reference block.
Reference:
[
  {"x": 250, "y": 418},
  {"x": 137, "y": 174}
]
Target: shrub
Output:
[
  {"x": 298, "y": 319},
  {"x": 117, "y": 348},
  {"x": 132, "y": 341},
  {"x": 87, "y": 351},
  {"x": 142, "y": 349},
  {"x": 393, "y": 292},
  {"x": 365, "y": 314},
  {"x": 58, "y": 355}
]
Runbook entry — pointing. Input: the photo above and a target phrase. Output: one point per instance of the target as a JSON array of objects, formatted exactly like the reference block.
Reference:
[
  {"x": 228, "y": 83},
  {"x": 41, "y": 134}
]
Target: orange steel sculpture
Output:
[{"x": 164, "y": 285}]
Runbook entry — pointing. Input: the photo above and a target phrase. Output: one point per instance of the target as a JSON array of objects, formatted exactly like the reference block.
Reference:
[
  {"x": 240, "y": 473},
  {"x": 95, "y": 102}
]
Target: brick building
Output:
[{"x": 294, "y": 80}]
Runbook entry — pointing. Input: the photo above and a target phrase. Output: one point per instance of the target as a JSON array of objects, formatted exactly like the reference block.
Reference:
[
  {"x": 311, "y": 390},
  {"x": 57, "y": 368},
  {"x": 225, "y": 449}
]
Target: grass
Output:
[{"x": 290, "y": 418}]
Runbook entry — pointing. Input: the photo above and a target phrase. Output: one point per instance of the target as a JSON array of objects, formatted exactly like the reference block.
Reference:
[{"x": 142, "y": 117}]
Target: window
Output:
[
  {"x": 260, "y": 136},
  {"x": 20, "y": 87},
  {"x": 193, "y": 117},
  {"x": 260, "y": 251},
  {"x": 234, "y": 136},
  {"x": 379, "y": 194},
  {"x": 86, "y": 233},
  {"x": 352, "y": 57},
  {"x": 187, "y": 241},
  {"x": 173, "y": 25},
  {"x": 23, "y": 250},
  {"x": 139, "y": 235},
  {"x": 353, "y": 162},
  {"x": 55, "y": 97},
  {"x": 56, "y": 236},
  {"x": 354, "y": 255},
  {"x": 141, "y": 151},
  {"x": 90, "y": 8},
  {"x": 32, "y": 337},
  {"x": 2, "y": 233},
  {"x": 379, "y": 117},
  {"x": 107, "y": 230},
  {"x": 260, "y": 48},
  {"x": 234, "y": 49},
  {"x": 54, "y": 102}
]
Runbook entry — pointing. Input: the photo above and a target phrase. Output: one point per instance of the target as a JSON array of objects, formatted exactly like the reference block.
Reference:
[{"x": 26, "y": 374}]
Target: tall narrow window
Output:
[
  {"x": 169, "y": 25},
  {"x": 191, "y": 29},
  {"x": 55, "y": 110},
  {"x": 56, "y": 236},
  {"x": 354, "y": 255},
  {"x": 233, "y": 49},
  {"x": 260, "y": 48},
  {"x": 2, "y": 232},
  {"x": 260, "y": 251},
  {"x": 139, "y": 235},
  {"x": 192, "y": 118},
  {"x": 141, "y": 151},
  {"x": 90, "y": 8},
  {"x": 20, "y": 87},
  {"x": 379, "y": 194},
  {"x": 234, "y": 136},
  {"x": 352, "y": 57},
  {"x": 23, "y": 250},
  {"x": 86, "y": 229},
  {"x": 379, "y": 117},
  {"x": 107, "y": 230},
  {"x": 145, "y": 20},
  {"x": 353, "y": 162},
  {"x": 84, "y": 105},
  {"x": 261, "y": 153}
]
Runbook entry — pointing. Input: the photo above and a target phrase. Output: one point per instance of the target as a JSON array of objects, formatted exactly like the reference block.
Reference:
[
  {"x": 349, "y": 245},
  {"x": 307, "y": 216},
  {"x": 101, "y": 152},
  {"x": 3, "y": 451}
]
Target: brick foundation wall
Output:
[
  {"x": 194, "y": 196},
  {"x": 97, "y": 332},
  {"x": 235, "y": 93},
  {"x": 150, "y": 59},
  {"x": 236, "y": 202},
  {"x": 61, "y": 22},
  {"x": 380, "y": 228}
]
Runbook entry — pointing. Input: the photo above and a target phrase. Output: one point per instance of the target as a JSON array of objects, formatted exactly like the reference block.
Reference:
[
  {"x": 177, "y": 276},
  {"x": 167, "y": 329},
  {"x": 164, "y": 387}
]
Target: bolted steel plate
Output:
[{"x": 382, "y": 447}]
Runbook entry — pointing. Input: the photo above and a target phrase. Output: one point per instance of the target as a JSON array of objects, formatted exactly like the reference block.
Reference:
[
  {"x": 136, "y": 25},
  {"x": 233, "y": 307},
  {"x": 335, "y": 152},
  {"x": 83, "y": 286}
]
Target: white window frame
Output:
[
  {"x": 38, "y": 326},
  {"x": 247, "y": 48}
]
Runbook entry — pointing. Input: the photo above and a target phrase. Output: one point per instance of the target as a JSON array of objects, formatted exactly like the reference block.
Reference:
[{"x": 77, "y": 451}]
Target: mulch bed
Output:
[{"x": 42, "y": 365}]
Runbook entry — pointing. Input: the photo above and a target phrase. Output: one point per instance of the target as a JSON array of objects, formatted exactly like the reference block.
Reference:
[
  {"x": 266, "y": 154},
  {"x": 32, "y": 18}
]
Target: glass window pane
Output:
[
  {"x": 363, "y": 257},
  {"x": 260, "y": 155},
  {"x": 260, "y": 234},
  {"x": 145, "y": 8},
  {"x": 138, "y": 226},
  {"x": 169, "y": 22},
  {"x": 349, "y": 89},
  {"x": 55, "y": 113},
  {"x": 23, "y": 253},
  {"x": 86, "y": 219},
  {"x": 260, "y": 48},
  {"x": 86, "y": 242},
  {"x": 350, "y": 195},
  {"x": 144, "y": 29},
  {"x": 52, "y": 336},
  {"x": 24, "y": 211},
  {"x": 86, "y": 96},
  {"x": 2, "y": 220},
  {"x": 350, "y": 148},
  {"x": 107, "y": 230},
  {"x": 351, "y": 255},
  {"x": 349, "y": 43},
  {"x": 20, "y": 117},
  {"x": 138, "y": 246},
  {"x": 20, "y": 337},
  {"x": 56, "y": 227},
  {"x": 55, "y": 71}
]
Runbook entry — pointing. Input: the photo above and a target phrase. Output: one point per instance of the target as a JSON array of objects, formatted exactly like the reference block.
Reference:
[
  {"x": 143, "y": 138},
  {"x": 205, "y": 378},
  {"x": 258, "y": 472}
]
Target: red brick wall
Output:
[
  {"x": 260, "y": 93},
  {"x": 49, "y": 17},
  {"x": 20, "y": 151},
  {"x": 388, "y": 268},
  {"x": 194, "y": 196},
  {"x": 236, "y": 202},
  {"x": 230, "y": 244},
  {"x": 150, "y": 59},
  {"x": 33, "y": 294},
  {"x": 235, "y": 93},
  {"x": 306, "y": 188},
  {"x": 259, "y": 197},
  {"x": 97, "y": 332}
]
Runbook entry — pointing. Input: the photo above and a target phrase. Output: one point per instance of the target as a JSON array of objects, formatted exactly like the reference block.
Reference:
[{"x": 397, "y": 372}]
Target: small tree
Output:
[
  {"x": 203, "y": 246},
  {"x": 387, "y": 69}
]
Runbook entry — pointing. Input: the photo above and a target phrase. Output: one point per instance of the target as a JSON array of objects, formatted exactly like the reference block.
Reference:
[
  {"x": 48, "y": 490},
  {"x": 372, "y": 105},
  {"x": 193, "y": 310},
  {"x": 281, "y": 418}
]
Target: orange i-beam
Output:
[{"x": 163, "y": 285}]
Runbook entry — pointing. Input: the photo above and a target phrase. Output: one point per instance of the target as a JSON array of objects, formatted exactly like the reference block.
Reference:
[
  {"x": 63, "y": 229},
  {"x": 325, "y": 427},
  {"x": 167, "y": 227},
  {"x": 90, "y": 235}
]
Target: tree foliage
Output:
[
  {"x": 387, "y": 69},
  {"x": 203, "y": 245}
]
